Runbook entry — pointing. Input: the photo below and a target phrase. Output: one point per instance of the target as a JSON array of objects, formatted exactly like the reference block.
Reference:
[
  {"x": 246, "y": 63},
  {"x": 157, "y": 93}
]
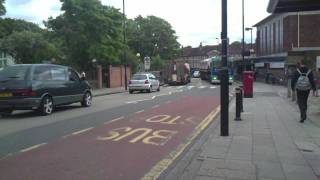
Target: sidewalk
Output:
[
  {"x": 269, "y": 143},
  {"x": 107, "y": 91}
]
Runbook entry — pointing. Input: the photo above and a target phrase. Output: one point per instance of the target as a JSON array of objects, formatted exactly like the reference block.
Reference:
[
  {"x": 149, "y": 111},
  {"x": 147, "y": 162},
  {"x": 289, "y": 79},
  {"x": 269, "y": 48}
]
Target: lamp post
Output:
[
  {"x": 250, "y": 29},
  {"x": 245, "y": 66},
  {"x": 224, "y": 74},
  {"x": 124, "y": 49}
]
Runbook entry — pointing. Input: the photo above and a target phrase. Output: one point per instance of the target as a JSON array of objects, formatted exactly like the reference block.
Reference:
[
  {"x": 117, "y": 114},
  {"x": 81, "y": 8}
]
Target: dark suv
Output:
[{"x": 41, "y": 87}]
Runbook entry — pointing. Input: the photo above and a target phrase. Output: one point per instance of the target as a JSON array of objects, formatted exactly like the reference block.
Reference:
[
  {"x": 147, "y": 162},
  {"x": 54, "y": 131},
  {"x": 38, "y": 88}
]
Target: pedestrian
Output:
[{"x": 302, "y": 83}]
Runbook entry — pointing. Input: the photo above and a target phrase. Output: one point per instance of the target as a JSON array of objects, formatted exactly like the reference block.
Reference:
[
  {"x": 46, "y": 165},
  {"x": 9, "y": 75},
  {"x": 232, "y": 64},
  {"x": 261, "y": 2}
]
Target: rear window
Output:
[
  {"x": 139, "y": 77},
  {"x": 14, "y": 73}
]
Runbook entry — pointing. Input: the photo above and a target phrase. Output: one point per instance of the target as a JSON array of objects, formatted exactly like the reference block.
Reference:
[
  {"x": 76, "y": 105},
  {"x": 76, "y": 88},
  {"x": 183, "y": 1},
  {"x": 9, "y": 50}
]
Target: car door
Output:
[
  {"x": 75, "y": 89},
  {"x": 44, "y": 83}
]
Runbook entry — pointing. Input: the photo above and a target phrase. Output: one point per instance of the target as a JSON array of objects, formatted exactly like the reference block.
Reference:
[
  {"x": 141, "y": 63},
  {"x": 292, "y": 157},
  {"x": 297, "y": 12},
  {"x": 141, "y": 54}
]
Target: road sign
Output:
[{"x": 147, "y": 63}]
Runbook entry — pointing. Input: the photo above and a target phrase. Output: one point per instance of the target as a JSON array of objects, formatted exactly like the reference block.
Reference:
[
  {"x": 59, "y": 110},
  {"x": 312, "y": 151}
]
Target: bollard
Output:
[
  {"x": 238, "y": 105},
  {"x": 289, "y": 93},
  {"x": 241, "y": 98}
]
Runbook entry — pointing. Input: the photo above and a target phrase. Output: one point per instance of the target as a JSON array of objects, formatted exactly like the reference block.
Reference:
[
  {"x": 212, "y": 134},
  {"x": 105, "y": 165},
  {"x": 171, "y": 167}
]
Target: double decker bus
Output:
[{"x": 212, "y": 67}]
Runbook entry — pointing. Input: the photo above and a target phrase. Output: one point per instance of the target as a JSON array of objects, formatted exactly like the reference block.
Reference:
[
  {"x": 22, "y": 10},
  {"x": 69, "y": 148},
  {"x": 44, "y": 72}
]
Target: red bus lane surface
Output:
[{"x": 139, "y": 146}]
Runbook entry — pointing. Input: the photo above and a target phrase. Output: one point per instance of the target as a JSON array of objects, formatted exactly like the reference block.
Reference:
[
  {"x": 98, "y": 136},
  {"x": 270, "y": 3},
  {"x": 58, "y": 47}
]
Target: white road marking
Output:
[
  {"x": 156, "y": 106},
  {"x": 202, "y": 87},
  {"x": 138, "y": 112},
  {"x": 32, "y": 147},
  {"x": 190, "y": 87},
  {"x": 82, "y": 131},
  {"x": 114, "y": 120},
  {"x": 180, "y": 87},
  {"x": 170, "y": 93},
  {"x": 213, "y": 87},
  {"x": 132, "y": 102},
  {"x": 153, "y": 97}
]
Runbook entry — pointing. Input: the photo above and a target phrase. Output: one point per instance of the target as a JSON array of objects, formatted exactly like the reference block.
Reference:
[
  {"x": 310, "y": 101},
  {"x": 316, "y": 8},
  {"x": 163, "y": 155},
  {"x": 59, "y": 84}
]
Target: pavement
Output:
[
  {"x": 269, "y": 143},
  {"x": 108, "y": 91}
]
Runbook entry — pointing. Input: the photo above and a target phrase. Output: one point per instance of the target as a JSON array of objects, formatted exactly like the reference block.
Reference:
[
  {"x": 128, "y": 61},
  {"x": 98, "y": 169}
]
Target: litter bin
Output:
[{"x": 248, "y": 84}]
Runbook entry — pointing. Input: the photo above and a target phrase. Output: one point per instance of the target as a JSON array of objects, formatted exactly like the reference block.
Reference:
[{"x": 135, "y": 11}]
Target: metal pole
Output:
[
  {"x": 224, "y": 75},
  {"x": 251, "y": 38},
  {"x": 245, "y": 64},
  {"x": 124, "y": 49}
]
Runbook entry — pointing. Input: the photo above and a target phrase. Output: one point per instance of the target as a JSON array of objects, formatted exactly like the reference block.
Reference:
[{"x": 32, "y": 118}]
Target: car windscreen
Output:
[
  {"x": 139, "y": 77},
  {"x": 14, "y": 73}
]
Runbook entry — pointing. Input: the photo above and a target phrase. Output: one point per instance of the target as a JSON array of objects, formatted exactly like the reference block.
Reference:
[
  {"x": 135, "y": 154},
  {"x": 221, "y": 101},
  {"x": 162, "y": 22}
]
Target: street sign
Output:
[{"x": 147, "y": 63}]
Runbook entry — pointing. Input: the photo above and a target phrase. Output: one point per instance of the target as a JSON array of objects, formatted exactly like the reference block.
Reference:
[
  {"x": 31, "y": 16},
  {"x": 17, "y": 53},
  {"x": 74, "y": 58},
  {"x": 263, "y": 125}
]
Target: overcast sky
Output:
[{"x": 194, "y": 21}]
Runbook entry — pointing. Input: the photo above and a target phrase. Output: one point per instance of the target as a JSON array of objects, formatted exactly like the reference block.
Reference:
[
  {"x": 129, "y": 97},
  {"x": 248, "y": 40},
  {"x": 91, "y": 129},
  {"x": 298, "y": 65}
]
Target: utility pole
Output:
[
  {"x": 124, "y": 49},
  {"x": 244, "y": 63},
  {"x": 224, "y": 74}
]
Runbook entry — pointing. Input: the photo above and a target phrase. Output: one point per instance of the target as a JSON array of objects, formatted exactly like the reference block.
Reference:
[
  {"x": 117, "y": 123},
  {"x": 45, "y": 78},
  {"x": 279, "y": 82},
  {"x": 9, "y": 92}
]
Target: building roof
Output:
[
  {"x": 267, "y": 19},
  {"x": 199, "y": 51},
  {"x": 279, "y": 6}
]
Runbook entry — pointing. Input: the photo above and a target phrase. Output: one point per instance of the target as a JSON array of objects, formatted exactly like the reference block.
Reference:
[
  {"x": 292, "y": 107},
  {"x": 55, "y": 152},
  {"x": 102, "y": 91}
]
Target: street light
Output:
[
  {"x": 250, "y": 29},
  {"x": 124, "y": 49}
]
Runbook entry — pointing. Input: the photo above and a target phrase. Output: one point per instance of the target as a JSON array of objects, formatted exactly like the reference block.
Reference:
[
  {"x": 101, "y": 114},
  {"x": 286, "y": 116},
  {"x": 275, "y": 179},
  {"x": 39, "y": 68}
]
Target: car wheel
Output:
[
  {"x": 47, "y": 106},
  {"x": 149, "y": 90},
  {"x": 87, "y": 100},
  {"x": 6, "y": 112},
  {"x": 158, "y": 88},
  {"x": 130, "y": 91}
]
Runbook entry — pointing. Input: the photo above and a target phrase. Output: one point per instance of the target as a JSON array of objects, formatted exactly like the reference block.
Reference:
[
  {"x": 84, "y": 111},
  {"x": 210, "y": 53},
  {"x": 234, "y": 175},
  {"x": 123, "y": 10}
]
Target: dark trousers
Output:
[{"x": 302, "y": 97}]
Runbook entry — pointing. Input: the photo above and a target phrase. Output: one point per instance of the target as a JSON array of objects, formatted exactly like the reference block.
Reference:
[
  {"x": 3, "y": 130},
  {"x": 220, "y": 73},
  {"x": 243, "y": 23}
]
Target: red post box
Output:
[{"x": 248, "y": 84}]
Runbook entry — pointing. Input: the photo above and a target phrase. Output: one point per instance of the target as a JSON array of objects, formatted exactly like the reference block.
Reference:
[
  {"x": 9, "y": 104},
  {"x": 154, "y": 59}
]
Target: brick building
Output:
[
  {"x": 194, "y": 56},
  {"x": 285, "y": 38}
]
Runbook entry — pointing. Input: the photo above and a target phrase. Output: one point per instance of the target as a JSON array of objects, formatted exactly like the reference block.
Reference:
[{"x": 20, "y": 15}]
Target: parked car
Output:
[
  {"x": 144, "y": 82},
  {"x": 196, "y": 74},
  {"x": 41, "y": 87}
]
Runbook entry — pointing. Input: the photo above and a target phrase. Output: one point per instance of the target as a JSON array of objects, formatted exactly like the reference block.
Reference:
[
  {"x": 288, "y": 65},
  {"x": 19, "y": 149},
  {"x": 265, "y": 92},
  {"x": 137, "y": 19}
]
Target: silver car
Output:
[{"x": 144, "y": 82}]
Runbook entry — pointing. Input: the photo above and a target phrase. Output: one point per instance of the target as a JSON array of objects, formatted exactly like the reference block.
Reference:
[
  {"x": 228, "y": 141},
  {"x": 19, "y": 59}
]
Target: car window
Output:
[
  {"x": 59, "y": 74},
  {"x": 73, "y": 76},
  {"x": 139, "y": 77},
  {"x": 14, "y": 72},
  {"x": 42, "y": 73},
  {"x": 152, "y": 77}
]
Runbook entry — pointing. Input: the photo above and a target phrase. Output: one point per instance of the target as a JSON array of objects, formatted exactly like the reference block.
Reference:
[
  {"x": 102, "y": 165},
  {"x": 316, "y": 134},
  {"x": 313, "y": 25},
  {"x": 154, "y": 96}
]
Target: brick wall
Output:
[
  {"x": 310, "y": 30},
  {"x": 117, "y": 76},
  {"x": 290, "y": 32}
]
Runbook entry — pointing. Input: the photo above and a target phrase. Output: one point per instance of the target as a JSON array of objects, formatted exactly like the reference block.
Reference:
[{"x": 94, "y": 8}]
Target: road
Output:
[{"x": 122, "y": 136}]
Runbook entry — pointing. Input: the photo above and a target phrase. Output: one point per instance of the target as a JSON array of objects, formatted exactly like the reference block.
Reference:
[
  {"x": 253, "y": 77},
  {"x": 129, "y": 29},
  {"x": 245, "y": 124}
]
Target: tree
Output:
[
  {"x": 2, "y": 8},
  {"x": 28, "y": 47},
  {"x": 8, "y": 26},
  {"x": 152, "y": 36},
  {"x": 156, "y": 63},
  {"x": 88, "y": 30}
]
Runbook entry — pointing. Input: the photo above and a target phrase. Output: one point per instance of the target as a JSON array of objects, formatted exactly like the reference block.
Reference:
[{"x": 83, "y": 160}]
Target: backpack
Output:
[{"x": 303, "y": 83}]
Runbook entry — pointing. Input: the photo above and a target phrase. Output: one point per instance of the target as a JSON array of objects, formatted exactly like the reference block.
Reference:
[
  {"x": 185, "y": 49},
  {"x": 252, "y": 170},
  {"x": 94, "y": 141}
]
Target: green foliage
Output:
[
  {"x": 8, "y": 26},
  {"x": 2, "y": 8},
  {"x": 88, "y": 30},
  {"x": 156, "y": 63},
  {"x": 151, "y": 36},
  {"x": 28, "y": 47}
]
